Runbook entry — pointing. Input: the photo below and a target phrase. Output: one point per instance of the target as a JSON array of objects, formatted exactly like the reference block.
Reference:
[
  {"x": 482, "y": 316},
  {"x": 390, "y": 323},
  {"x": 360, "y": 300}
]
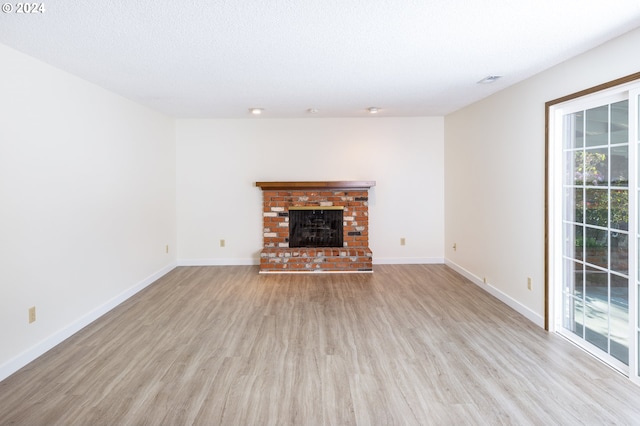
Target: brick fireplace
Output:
[{"x": 350, "y": 197}]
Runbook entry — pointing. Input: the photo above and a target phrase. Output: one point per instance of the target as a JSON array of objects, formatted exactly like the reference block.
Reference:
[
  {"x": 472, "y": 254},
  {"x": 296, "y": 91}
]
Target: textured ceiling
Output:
[{"x": 218, "y": 58}]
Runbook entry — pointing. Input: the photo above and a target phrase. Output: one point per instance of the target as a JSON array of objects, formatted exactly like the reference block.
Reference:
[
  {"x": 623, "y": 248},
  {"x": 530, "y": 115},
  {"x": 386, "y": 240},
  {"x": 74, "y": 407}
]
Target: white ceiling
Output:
[{"x": 218, "y": 58}]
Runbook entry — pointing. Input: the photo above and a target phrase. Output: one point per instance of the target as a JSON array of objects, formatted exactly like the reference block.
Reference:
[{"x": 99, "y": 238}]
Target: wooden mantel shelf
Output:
[{"x": 345, "y": 184}]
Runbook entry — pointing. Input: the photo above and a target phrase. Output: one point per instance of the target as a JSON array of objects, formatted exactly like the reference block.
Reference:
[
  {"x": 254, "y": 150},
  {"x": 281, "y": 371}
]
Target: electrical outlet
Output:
[
  {"x": 166, "y": 248},
  {"x": 32, "y": 314},
  {"x": 221, "y": 243},
  {"x": 403, "y": 241},
  {"x": 529, "y": 283},
  {"x": 455, "y": 246},
  {"x": 484, "y": 280}
]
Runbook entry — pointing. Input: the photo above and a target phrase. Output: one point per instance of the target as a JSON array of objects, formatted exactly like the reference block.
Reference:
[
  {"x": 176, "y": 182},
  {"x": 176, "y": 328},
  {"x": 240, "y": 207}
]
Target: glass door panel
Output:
[{"x": 595, "y": 294}]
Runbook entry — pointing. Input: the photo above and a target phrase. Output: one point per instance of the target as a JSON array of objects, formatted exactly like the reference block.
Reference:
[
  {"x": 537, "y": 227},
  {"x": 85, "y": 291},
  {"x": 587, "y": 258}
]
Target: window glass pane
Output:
[
  {"x": 573, "y": 204},
  {"x": 571, "y": 279},
  {"x": 574, "y": 168},
  {"x": 619, "y": 209},
  {"x": 578, "y": 289},
  {"x": 620, "y": 252},
  {"x": 597, "y": 126},
  {"x": 596, "y": 325},
  {"x": 574, "y": 241},
  {"x": 597, "y": 207},
  {"x": 573, "y": 318},
  {"x": 619, "y": 318},
  {"x": 579, "y": 205},
  {"x": 574, "y": 131},
  {"x": 619, "y": 160},
  {"x": 596, "y": 167},
  {"x": 638, "y": 277},
  {"x": 596, "y": 282},
  {"x": 619, "y": 122},
  {"x": 570, "y": 239},
  {"x": 596, "y": 247}
]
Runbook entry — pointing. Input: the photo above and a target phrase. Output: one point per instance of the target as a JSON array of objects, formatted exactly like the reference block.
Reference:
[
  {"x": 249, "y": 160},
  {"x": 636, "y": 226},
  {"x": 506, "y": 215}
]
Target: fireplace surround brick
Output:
[{"x": 353, "y": 197}]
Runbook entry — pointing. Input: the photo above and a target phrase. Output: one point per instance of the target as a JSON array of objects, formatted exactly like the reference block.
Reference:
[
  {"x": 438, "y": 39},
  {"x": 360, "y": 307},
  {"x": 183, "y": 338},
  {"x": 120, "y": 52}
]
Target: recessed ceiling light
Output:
[
  {"x": 490, "y": 79},
  {"x": 256, "y": 111},
  {"x": 373, "y": 110},
  {"x": 312, "y": 110}
]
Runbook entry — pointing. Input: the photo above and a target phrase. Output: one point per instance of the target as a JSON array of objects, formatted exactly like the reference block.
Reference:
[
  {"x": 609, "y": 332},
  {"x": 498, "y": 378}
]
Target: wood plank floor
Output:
[{"x": 408, "y": 344}]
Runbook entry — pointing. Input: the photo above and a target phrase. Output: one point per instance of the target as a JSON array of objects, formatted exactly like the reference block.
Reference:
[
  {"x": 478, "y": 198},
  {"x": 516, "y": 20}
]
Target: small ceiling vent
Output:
[{"x": 490, "y": 79}]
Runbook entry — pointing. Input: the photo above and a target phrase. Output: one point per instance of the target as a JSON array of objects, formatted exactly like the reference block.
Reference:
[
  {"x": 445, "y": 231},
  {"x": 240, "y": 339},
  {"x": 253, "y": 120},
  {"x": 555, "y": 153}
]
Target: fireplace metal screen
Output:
[{"x": 315, "y": 227}]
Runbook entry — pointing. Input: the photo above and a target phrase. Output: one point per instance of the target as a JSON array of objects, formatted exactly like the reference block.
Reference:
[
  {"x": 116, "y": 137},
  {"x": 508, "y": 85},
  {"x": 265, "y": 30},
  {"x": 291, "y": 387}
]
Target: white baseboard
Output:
[
  {"x": 249, "y": 261},
  {"x": 504, "y": 298},
  {"x": 19, "y": 361},
  {"x": 252, "y": 262},
  {"x": 218, "y": 262},
  {"x": 407, "y": 260}
]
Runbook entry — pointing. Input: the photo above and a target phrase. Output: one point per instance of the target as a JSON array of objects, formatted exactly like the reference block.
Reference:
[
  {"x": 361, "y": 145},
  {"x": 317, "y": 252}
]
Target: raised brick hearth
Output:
[{"x": 352, "y": 196}]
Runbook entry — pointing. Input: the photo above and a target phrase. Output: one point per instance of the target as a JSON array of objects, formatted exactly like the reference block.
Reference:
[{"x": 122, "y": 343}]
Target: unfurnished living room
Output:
[{"x": 391, "y": 212}]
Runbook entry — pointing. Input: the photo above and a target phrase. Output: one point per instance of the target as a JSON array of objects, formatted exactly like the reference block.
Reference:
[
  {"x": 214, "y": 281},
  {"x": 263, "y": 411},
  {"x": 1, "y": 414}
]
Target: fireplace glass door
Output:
[{"x": 315, "y": 228}]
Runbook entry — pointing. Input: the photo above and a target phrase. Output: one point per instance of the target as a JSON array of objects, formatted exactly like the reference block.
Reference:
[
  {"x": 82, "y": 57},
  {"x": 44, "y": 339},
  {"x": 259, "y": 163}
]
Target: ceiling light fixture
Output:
[
  {"x": 373, "y": 110},
  {"x": 256, "y": 111},
  {"x": 312, "y": 110},
  {"x": 489, "y": 79}
]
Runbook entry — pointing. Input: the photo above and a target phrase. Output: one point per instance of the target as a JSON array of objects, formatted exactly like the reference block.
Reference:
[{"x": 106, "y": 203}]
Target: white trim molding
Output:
[
  {"x": 251, "y": 261},
  {"x": 215, "y": 261},
  {"x": 407, "y": 260}
]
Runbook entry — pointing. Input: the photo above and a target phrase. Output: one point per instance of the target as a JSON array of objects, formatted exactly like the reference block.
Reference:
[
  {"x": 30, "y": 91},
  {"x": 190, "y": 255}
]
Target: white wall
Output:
[
  {"x": 495, "y": 174},
  {"x": 87, "y": 203},
  {"x": 219, "y": 161}
]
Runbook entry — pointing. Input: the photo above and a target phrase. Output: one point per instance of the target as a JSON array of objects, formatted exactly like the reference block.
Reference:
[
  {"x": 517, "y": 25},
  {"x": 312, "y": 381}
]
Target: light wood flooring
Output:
[{"x": 406, "y": 345}]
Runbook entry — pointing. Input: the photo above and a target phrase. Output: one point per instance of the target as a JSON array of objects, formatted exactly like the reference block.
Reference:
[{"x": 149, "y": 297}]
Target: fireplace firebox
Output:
[{"x": 315, "y": 227}]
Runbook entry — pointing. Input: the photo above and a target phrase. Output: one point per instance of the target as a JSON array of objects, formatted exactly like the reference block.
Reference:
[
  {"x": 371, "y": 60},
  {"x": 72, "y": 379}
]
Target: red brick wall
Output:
[{"x": 354, "y": 256}]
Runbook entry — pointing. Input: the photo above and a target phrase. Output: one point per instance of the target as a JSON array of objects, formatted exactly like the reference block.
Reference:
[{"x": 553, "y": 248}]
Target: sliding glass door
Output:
[{"x": 595, "y": 279}]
